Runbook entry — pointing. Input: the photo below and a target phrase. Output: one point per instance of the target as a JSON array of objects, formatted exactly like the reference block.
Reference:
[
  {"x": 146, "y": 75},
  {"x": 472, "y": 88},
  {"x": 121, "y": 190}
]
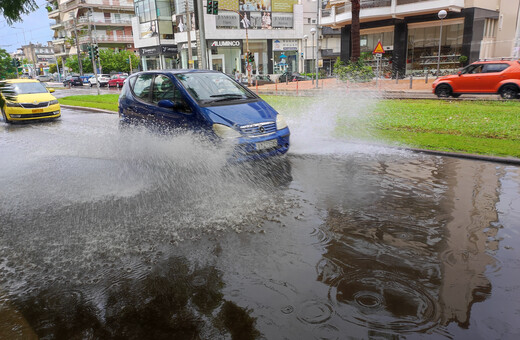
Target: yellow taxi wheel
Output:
[{"x": 5, "y": 117}]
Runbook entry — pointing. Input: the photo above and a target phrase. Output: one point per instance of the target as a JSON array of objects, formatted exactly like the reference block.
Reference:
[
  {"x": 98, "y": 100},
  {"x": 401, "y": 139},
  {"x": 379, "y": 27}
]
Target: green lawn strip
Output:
[
  {"x": 105, "y": 101},
  {"x": 438, "y": 142},
  {"x": 478, "y": 119}
]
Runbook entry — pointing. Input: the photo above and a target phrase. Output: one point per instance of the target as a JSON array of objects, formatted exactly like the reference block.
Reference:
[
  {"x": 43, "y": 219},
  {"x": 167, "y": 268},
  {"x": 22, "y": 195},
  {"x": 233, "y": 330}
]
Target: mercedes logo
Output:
[{"x": 261, "y": 129}]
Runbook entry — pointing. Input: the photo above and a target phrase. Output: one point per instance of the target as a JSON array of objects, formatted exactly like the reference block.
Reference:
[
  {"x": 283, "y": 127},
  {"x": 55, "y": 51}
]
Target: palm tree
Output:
[{"x": 354, "y": 33}]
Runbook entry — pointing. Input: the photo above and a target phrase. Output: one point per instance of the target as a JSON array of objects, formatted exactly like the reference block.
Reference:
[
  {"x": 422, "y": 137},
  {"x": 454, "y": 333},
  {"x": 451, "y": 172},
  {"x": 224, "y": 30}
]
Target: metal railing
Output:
[
  {"x": 364, "y": 5},
  {"x": 84, "y": 20},
  {"x": 107, "y": 39}
]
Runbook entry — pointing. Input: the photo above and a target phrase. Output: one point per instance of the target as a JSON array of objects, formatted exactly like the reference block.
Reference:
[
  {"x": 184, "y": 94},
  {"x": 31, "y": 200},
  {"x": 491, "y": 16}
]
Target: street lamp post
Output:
[
  {"x": 442, "y": 14},
  {"x": 305, "y": 37},
  {"x": 313, "y": 32}
]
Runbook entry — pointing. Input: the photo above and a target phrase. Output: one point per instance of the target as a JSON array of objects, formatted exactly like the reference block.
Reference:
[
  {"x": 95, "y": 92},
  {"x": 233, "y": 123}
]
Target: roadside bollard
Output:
[
  {"x": 411, "y": 81},
  {"x": 276, "y": 86},
  {"x": 426, "y": 81},
  {"x": 397, "y": 77},
  {"x": 296, "y": 86},
  {"x": 348, "y": 87}
]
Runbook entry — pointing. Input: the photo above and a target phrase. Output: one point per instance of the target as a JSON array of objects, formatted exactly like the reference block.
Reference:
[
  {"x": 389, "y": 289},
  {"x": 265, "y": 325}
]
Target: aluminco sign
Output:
[{"x": 226, "y": 43}]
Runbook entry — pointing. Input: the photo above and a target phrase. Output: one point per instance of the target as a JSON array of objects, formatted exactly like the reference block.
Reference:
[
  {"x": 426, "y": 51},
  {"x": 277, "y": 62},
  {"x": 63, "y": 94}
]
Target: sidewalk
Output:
[{"x": 386, "y": 87}]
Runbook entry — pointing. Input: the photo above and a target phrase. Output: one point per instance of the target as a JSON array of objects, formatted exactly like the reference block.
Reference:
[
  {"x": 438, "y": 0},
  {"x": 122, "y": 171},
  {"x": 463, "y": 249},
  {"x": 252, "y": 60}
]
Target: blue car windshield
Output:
[{"x": 213, "y": 87}]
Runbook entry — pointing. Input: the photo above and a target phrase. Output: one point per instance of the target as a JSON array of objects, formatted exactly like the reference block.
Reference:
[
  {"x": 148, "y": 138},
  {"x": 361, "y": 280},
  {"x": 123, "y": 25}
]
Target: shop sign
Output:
[
  {"x": 227, "y": 20},
  {"x": 282, "y": 20},
  {"x": 285, "y": 45},
  {"x": 149, "y": 50},
  {"x": 185, "y": 45},
  {"x": 284, "y": 5},
  {"x": 225, "y": 43},
  {"x": 172, "y": 49}
]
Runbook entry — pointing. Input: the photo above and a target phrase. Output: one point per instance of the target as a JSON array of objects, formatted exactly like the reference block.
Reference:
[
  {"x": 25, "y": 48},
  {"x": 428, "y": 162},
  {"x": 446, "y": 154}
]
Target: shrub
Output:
[{"x": 353, "y": 71}]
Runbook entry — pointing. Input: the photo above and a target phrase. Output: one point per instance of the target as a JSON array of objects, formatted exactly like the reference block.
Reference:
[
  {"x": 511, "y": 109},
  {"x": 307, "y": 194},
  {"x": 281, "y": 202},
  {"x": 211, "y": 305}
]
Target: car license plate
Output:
[
  {"x": 37, "y": 110},
  {"x": 268, "y": 144}
]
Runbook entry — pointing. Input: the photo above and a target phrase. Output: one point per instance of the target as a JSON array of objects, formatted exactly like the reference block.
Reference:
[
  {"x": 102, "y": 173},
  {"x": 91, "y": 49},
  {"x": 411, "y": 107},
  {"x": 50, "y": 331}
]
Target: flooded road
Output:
[{"x": 129, "y": 235}]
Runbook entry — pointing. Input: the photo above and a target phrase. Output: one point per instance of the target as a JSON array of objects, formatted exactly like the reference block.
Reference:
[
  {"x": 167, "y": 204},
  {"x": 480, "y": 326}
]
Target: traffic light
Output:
[
  {"x": 215, "y": 7},
  {"x": 250, "y": 57},
  {"x": 96, "y": 52},
  {"x": 18, "y": 63},
  {"x": 209, "y": 9},
  {"x": 89, "y": 48}
]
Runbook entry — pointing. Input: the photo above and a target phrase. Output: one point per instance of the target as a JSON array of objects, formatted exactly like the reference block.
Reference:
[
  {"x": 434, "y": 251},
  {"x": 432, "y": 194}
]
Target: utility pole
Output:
[
  {"x": 317, "y": 39},
  {"x": 77, "y": 46},
  {"x": 188, "y": 20},
  {"x": 202, "y": 37},
  {"x": 91, "y": 51},
  {"x": 34, "y": 58}
]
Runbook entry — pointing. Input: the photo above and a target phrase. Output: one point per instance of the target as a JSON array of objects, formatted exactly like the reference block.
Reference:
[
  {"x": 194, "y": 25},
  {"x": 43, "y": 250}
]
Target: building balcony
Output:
[
  {"x": 108, "y": 39},
  {"x": 55, "y": 13},
  {"x": 111, "y": 5},
  {"x": 106, "y": 22},
  {"x": 371, "y": 10},
  {"x": 55, "y": 26},
  {"x": 58, "y": 41}
]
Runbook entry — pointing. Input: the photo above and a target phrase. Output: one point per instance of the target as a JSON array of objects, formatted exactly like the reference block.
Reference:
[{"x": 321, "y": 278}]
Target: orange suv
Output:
[{"x": 482, "y": 77}]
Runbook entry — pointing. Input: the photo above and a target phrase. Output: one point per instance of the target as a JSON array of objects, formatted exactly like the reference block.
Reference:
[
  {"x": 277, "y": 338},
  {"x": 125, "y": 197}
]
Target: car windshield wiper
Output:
[{"x": 227, "y": 96}]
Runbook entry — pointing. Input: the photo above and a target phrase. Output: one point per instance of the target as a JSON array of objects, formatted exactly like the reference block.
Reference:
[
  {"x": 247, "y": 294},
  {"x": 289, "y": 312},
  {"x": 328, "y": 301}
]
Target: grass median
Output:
[
  {"x": 479, "y": 127},
  {"x": 104, "y": 101}
]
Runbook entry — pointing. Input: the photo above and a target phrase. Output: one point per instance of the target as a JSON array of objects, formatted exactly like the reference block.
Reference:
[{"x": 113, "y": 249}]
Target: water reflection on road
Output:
[{"x": 108, "y": 235}]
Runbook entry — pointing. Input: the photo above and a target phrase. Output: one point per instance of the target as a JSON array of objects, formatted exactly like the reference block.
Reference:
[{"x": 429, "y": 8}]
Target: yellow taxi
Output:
[{"x": 32, "y": 101}]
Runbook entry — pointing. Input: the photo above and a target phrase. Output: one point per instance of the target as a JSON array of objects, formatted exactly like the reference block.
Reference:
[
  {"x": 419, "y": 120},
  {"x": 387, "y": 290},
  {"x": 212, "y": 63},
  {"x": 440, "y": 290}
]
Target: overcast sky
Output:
[{"x": 35, "y": 27}]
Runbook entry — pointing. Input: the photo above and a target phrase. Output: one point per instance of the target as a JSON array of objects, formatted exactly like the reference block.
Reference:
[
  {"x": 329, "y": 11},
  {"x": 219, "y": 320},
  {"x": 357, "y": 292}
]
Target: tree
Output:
[
  {"x": 7, "y": 69},
  {"x": 112, "y": 61},
  {"x": 53, "y": 68},
  {"x": 354, "y": 33},
  {"x": 73, "y": 65},
  {"x": 12, "y": 10}
]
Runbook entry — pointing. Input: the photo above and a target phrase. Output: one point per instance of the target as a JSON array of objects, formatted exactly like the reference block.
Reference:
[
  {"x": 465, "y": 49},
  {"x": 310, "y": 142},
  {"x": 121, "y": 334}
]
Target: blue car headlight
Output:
[
  {"x": 224, "y": 131},
  {"x": 280, "y": 122}
]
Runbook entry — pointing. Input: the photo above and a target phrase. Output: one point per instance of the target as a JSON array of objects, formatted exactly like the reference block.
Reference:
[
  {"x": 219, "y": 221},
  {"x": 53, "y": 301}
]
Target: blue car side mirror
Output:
[{"x": 167, "y": 104}]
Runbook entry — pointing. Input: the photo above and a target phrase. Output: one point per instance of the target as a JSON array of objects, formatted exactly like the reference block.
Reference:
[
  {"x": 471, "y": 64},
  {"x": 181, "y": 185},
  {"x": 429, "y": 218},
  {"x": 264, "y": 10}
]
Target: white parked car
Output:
[{"x": 103, "y": 80}]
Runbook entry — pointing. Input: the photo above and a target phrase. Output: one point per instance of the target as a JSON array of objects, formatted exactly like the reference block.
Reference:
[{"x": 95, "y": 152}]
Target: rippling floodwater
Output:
[{"x": 110, "y": 235}]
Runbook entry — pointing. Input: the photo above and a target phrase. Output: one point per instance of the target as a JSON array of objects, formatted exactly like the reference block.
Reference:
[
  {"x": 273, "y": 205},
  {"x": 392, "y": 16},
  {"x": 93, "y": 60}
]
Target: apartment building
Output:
[
  {"x": 410, "y": 31},
  {"x": 107, "y": 21},
  {"x": 38, "y": 57},
  {"x": 276, "y": 32}
]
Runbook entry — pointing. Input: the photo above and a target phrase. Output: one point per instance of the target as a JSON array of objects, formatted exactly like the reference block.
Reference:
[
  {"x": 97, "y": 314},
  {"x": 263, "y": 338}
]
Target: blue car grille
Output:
[{"x": 258, "y": 129}]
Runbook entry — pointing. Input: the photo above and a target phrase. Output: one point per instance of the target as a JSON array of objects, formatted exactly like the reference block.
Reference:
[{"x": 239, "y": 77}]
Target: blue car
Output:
[{"x": 207, "y": 101}]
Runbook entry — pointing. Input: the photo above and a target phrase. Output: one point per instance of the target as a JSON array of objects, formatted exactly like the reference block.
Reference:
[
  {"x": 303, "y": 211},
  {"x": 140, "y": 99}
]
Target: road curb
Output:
[
  {"x": 495, "y": 159},
  {"x": 84, "y": 108}
]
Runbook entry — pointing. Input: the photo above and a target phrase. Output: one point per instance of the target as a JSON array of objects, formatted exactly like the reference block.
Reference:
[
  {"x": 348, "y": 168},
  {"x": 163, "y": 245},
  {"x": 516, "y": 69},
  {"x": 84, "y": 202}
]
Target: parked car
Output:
[
  {"x": 45, "y": 78},
  {"x": 85, "y": 78},
  {"x": 102, "y": 78},
  {"x": 117, "y": 80},
  {"x": 207, "y": 101},
  {"x": 260, "y": 79},
  {"x": 292, "y": 76},
  {"x": 33, "y": 101},
  {"x": 482, "y": 77},
  {"x": 72, "y": 81}
]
